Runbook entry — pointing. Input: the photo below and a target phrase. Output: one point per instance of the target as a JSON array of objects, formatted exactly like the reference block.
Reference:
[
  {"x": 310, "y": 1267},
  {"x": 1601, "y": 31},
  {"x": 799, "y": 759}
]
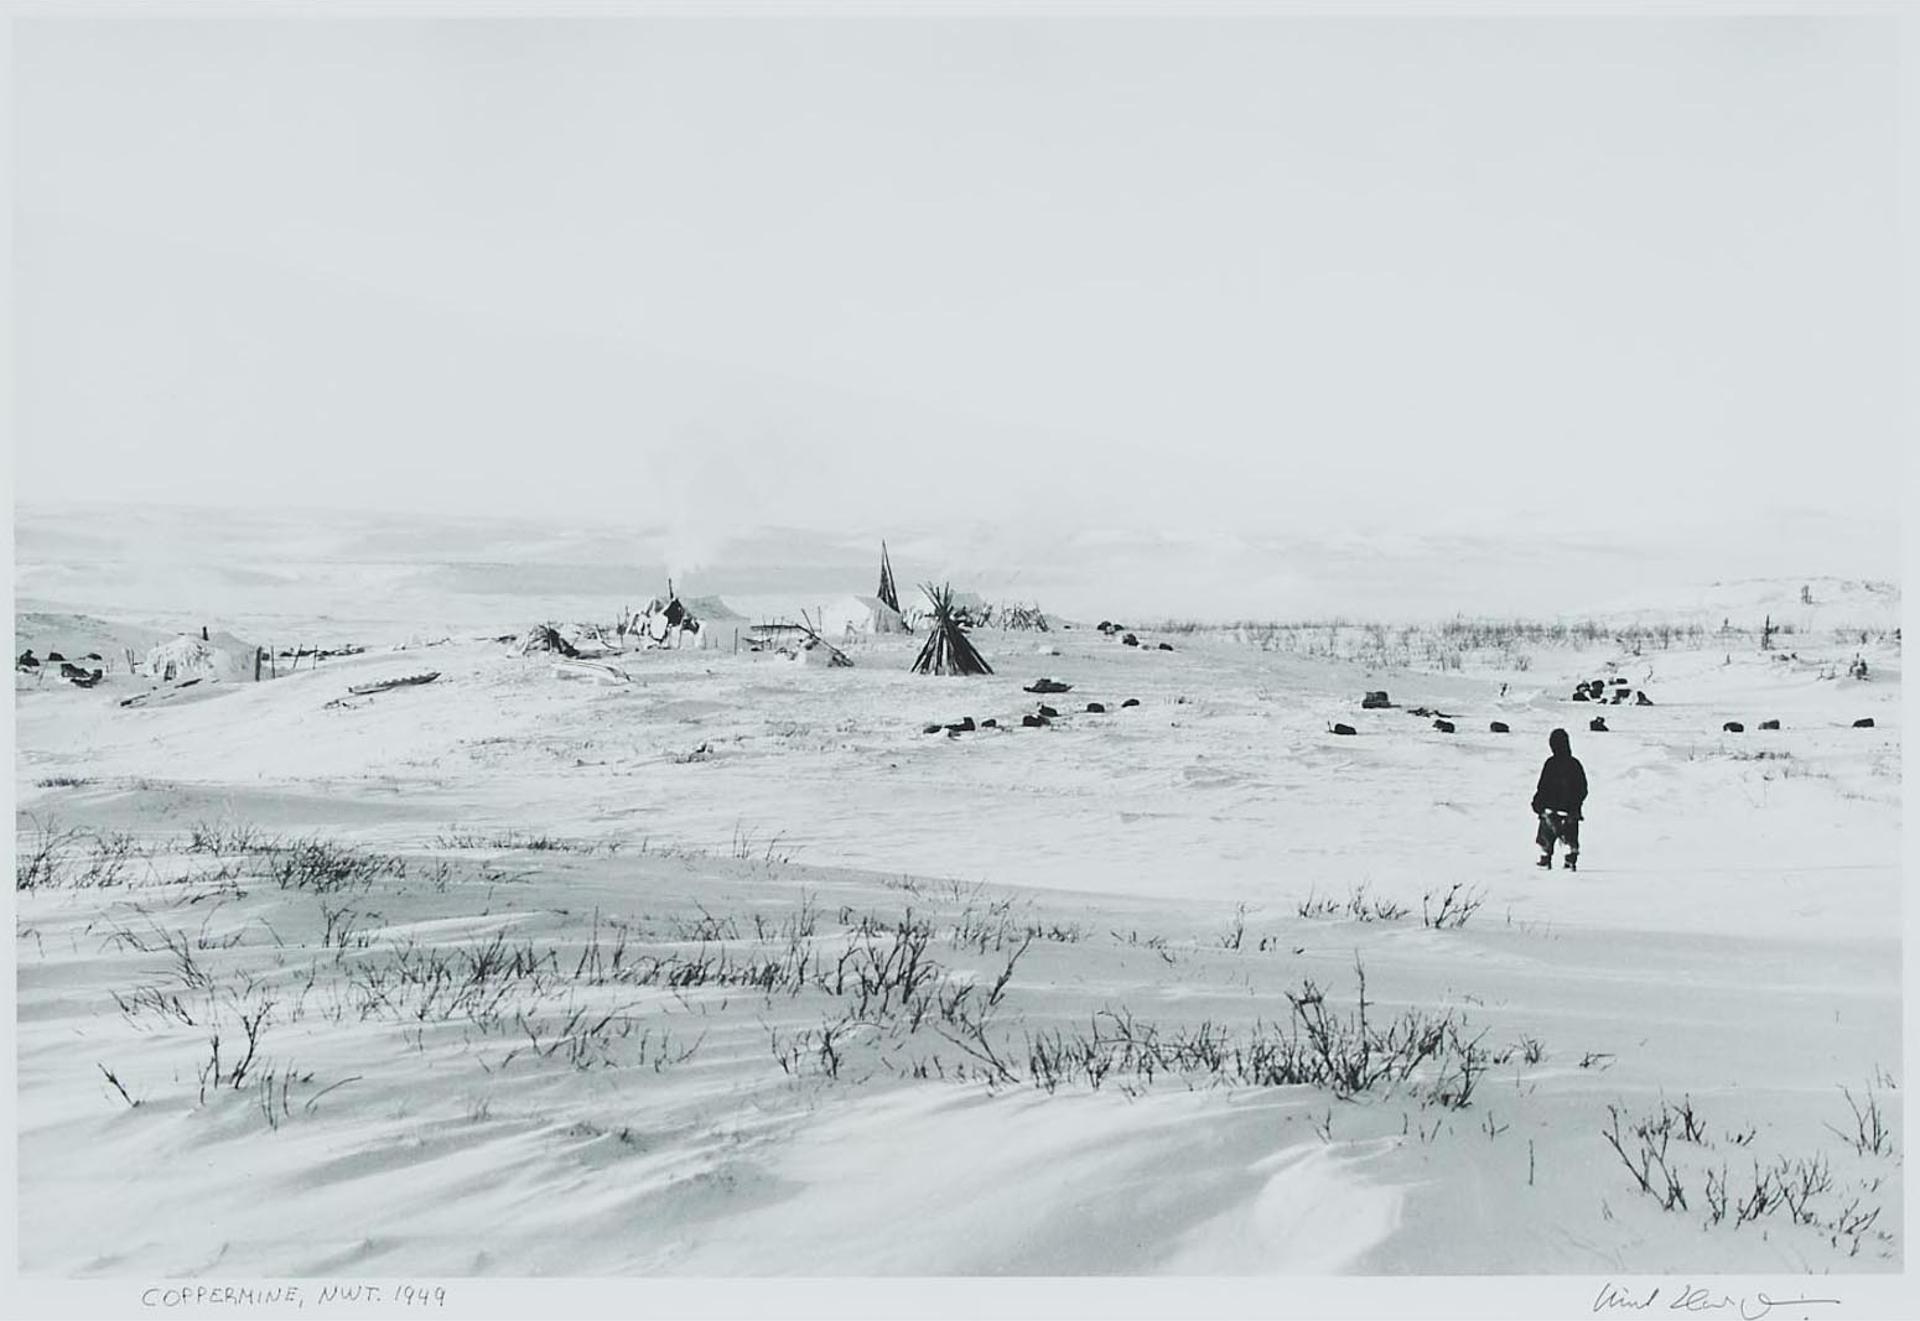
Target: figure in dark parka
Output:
[{"x": 1558, "y": 800}]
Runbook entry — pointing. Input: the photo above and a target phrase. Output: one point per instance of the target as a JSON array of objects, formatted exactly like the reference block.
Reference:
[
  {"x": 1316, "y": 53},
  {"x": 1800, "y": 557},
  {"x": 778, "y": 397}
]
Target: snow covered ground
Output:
[{"x": 733, "y": 970}]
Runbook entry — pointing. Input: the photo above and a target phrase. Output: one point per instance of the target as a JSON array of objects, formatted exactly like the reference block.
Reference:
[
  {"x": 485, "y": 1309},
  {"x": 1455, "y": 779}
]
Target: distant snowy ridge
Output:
[{"x": 1802, "y": 604}]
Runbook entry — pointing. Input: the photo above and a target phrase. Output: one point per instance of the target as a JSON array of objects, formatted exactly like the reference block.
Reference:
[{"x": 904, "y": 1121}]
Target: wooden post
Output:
[{"x": 256, "y": 664}]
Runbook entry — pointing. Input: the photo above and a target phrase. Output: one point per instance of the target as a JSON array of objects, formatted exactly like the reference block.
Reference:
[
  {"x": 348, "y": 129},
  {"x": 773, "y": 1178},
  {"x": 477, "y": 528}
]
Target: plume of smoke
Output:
[{"x": 702, "y": 491}]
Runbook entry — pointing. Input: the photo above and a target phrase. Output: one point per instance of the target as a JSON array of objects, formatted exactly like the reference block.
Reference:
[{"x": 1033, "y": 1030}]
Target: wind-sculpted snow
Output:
[{"x": 734, "y": 970}]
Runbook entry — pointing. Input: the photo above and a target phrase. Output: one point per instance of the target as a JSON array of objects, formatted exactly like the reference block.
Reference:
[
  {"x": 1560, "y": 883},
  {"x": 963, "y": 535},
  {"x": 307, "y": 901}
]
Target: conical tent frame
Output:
[{"x": 948, "y": 650}]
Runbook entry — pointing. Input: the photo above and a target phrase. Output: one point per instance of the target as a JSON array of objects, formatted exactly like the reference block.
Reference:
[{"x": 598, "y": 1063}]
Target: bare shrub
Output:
[
  {"x": 49, "y": 857},
  {"x": 1870, "y": 1135},
  {"x": 1453, "y": 908},
  {"x": 324, "y": 867},
  {"x": 227, "y": 839},
  {"x": 1804, "y": 1186}
]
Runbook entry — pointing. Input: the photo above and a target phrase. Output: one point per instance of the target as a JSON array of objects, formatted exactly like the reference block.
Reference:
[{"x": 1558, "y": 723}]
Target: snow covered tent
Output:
[
  {"x": 545, "y": 637},
  {"x": 220, "y": 657}
]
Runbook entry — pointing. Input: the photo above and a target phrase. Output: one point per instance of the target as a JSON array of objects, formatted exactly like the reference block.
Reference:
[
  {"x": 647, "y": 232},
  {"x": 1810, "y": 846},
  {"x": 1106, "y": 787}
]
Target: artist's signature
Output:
[{"x": 1691, "y": 1298}]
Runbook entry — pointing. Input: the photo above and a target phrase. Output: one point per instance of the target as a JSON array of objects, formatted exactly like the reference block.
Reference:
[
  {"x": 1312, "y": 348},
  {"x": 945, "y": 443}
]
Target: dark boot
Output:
[{"x": 1573, "y": 862}]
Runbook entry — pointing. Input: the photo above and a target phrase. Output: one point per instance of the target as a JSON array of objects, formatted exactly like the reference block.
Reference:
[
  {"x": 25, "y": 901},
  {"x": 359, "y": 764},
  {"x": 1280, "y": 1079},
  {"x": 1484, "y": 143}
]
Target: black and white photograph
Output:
[{"x": 1027, "y": 660}]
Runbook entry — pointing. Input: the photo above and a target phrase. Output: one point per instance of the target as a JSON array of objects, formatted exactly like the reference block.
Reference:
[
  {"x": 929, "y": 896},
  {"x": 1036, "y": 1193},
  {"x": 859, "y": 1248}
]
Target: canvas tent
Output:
[
  {"x": 711, "y": 610},
  {"x": 857, "y": 616},
  {"x": 667, "y": 623},
  {"x": 885, "y": 618}
]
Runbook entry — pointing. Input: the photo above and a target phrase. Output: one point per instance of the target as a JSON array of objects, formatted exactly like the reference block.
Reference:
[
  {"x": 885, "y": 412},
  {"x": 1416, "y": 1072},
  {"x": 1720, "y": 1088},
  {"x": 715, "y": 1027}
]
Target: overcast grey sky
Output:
[{"x": 1256, "y": 275}]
